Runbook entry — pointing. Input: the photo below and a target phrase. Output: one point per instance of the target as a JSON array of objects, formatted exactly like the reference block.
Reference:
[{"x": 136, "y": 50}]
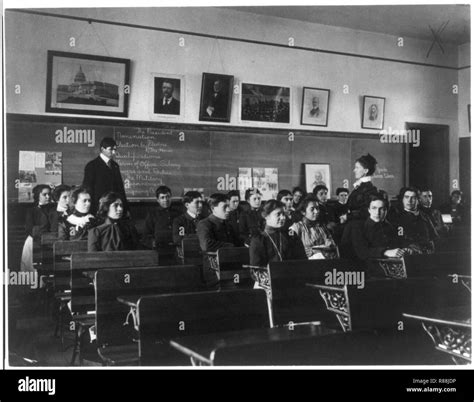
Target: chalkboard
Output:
[{"x": 197, "y": 156}]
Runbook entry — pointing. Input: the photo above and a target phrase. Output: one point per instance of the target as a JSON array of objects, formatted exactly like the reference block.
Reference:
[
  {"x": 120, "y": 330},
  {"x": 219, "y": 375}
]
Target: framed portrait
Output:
[
  {"x": 216, "y": 97},
  {"x": 373, "y": 112},
  {"x": 265, "y": 103},
  {"x": 167, "y": 95},
  {"x": 315, "y": 107},
  {"x": 86, "y": 84},
  {"x": 317, "y": 174}
]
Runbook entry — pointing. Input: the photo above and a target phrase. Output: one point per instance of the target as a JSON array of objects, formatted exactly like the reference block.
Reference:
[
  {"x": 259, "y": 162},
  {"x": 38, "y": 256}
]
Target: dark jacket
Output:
[
  {"x": 168, "y": 108},
  {"x": 436, "y": 220},
  {"x": 158, "y": 225},
  {"x": 57, "y": 217},
  {"x": 233, "y": 221},
  {"x": 68, "y": 229},
  {"x": 371, "y": 239},
  {"x": 214, "y": 233},
  {"x": 100, "y": 179},
  {"x": 184, "y": 225},
  {"x": 359, "y": 200},
  {"x": 262, "y": 250},
  {"x": 38, "y": 219},
  {"x": 113, "y": 236},
  {"x": 251, "y": 223}
]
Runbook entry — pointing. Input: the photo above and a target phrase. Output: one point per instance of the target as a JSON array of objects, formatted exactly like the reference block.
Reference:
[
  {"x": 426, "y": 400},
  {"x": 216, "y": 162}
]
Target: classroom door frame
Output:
[{"x": 445, "y": 132}]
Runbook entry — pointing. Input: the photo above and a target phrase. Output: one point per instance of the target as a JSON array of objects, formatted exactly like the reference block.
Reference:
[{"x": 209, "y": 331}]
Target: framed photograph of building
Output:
[
  {"x": 87, "y": 84},
  {"x": 373, "y": 112},
  {"x": 216, "y": 97},
  {"x": 317, "y": 174},
  {"x": 265, "y": 103},
  {"x": 168, "y": 95},
  {"x": 314, "y": 110}
]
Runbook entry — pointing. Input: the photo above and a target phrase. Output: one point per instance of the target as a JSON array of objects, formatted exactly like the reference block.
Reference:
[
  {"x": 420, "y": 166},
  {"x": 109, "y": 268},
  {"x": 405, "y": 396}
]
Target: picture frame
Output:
[
  {"x": 167, "y": 96},
  {"x": 265, "y": 103},
  {"x": 87, "y": 84},
  {"x": 316, "y": 174},
  {"x": 373, "y": 112},
  {"x": 216, "y": 97},
  {"x": 315, "y": 107},
  {"x": 469, "y": 116}
]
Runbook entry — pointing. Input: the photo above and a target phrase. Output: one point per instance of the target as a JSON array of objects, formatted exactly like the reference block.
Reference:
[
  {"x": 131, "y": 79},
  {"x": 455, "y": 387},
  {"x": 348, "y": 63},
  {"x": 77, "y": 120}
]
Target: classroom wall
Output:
[
  {"x": 464, "y": 98},
  {"x": 413, "y": 93}
]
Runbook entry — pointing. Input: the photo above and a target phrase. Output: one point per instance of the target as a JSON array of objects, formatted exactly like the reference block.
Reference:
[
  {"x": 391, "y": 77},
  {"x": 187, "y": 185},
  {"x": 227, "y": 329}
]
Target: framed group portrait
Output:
[
  {"x": 167, "y": 95},
  {"x": 317, "y": 174},
  {"x": 216, "y": 97},
  {"x": 265, "y": 103},
  {"x": 373, "y": 112},
  {"x": 87, "y": 84},
  {"x": 315, "y": 107}
]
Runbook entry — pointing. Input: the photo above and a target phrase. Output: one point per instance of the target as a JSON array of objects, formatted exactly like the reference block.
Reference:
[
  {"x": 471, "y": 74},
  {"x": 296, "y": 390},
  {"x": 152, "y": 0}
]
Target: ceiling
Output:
[{"x": 401, "y": 20}]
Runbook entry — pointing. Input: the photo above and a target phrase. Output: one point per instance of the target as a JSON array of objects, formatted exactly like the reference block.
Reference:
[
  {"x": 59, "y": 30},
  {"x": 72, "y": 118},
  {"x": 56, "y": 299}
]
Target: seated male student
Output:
[
  {"x": 235, "y": 211},
  {"x": 185, "y": 224},
  {"x": 426, "y": 206},
  {"x": 337, "y": 212},
  {"x": 376, "y": 237},
  {"x": 214, "y": 232},
  {"x": 413, "y": 225},
  {"x": 158, "y": 223}
]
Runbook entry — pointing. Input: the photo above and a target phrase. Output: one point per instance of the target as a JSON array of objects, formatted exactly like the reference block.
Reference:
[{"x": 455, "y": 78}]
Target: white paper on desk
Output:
[
  {"x": 40, "y": 160},
  {"x": 27, "y": 160}
]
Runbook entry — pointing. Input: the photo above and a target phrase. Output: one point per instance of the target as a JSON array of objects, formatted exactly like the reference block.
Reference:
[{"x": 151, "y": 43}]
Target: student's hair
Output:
[
  {"x": 105, "y": 202},
  {"x": 342, "y": 190},
  {"x": 216, "y": 198},
  {"x": 283, "y": 193},
  {"x": 295, "y": 189},
  {"x": 75, "y": 193},
  {"x": 107, "y": 142},
  {"x": 403, "y": 190},
  {"x": 270, "y": 206},
  {"x": 318, "y": 188},
  {"x": 233, "y": 193},
  {"x": 59, "y": 190},
  {"x": 305, "y": 202},
  {"x": 162, "y": 190},
  {"x": 425, "y": 189},
  {"x": 37, "y": 191},
  {"x": 368, "y": 162},
  {"x": 251, "y": 191},
  {"x": 190, "y": 196},
  {"x": 456, "y": 192},
  {"x": 380, "y": 196}
]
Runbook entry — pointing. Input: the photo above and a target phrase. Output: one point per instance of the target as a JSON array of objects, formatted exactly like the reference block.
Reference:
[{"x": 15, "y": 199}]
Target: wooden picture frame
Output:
[
  {"x": 265, "y": 103},
  {"x": 373, "y": 112},
  {"x": 315, "y": 107},
  {"x": 317, "y": 174},
  {"x": 216, "y": 97}
]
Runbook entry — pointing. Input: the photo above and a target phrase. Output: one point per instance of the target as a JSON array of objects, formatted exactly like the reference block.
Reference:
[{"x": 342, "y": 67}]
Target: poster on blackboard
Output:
[
  {"x": 37, "y": 168},
  {"x": 263, "y": 179}
]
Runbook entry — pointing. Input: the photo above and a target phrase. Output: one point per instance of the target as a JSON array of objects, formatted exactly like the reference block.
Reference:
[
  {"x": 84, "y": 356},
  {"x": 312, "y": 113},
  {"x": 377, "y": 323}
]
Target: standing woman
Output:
[
  {"x": 116, "y": 232},
  {"x": 273, "y": 243},
  {"x": 359, "y": 199},
  {"x": 37, "y": 222},
  {"x": 62, "y": 197},
  {"x": 251, "y": 221},
  {"x": 78, "y": 223}
]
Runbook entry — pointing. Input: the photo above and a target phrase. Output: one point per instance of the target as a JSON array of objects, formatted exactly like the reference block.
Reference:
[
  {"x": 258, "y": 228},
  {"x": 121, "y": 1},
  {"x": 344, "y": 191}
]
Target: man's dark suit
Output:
[
  {"x": 100, "y": 179},
  {"x": 168, "y": 108}
]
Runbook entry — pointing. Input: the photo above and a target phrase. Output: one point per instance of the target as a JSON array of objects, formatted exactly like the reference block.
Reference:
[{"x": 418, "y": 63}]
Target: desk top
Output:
[
  {"x": 459, "y": 316},
  {"x": 203, "y": 346}
]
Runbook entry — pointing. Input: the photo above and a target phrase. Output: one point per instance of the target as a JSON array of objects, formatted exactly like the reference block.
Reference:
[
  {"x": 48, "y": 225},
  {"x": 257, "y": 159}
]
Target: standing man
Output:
[
  {"x": 167, "y": 103},
  {"x": 102, "y": 174}
]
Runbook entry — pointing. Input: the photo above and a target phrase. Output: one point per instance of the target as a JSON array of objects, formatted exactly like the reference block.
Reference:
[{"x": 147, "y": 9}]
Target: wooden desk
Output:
[
  {"x": 201, "y": 349},
  {"x": 450, "y": 331}
]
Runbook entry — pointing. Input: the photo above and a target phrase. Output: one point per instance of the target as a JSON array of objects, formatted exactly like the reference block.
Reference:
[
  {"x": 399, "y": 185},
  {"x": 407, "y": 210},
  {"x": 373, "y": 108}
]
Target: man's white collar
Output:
[{"x": 104, "y": 158}]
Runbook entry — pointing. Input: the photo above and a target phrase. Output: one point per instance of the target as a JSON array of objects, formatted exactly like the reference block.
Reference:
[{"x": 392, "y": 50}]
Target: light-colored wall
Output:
[
  {"x": 464, "y": 80},
  {"x": 413, "y": 93}
]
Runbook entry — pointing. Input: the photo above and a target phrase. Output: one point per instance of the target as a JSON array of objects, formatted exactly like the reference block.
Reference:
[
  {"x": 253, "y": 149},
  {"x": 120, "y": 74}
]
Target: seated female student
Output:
[
  {"x": 78, "y": 223},
  {"x": 376, "y": 237},
  {"x": 312, "y": 233},
  {"x": 251, "y": 221},
  {"x": 61, "y": 195},
  {"x": 298, "y": 195},
  {"x": 286, "y": 197},
  {"x": 321, "y": 194},
  {"x": 116, "y": 232},
  {"x": 273, "y": 243},
  {"x": 37, "y": 222}
]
